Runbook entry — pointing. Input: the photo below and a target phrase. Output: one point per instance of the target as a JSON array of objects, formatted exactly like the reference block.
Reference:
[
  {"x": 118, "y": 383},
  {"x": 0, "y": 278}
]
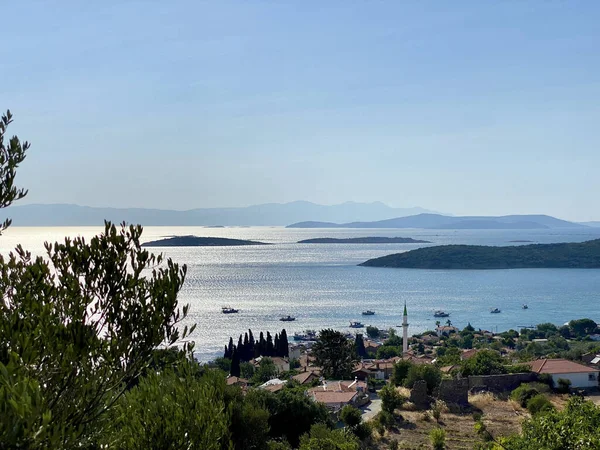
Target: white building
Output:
[{"x": 580, "y": 376}]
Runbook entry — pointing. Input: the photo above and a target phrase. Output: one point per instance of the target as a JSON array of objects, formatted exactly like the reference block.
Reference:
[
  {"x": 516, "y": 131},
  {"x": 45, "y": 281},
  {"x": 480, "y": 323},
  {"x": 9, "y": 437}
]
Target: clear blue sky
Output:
[{"x": 469, "y": 107}]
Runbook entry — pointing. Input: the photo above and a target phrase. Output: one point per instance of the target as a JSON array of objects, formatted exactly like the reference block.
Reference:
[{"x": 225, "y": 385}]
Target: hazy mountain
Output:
[
  {"x": 266, "y": 214},
  {"x": 591, "y": 224},
  {"x": 437, "y": 221}
]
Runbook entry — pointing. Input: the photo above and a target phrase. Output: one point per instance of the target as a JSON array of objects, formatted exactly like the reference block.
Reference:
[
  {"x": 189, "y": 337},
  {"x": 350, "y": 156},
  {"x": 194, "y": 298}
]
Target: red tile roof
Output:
[
  {"x": 328, "y": 397},
  {"x": 558, "y": 366},
  {"x": 304, "y": 377}
]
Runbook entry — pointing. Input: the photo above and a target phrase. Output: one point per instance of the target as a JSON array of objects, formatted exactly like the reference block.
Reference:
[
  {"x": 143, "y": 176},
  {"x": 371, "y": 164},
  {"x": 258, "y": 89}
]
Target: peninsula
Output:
[
  {"x": 195, "y": 241},
  {"x": 364, "y": 240},
  {"x": 585, "y": 255}
]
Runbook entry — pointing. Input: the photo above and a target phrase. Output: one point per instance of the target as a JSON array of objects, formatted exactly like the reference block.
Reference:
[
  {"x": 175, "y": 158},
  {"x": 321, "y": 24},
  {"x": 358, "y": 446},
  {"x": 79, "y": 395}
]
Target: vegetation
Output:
[
  {"x": 438, "y": 438},
  {"x": 484, "y": 362},
  {"x": 539, "y": 403},
  {"x": 565, "y": 255},
  {"x": 575, "y": 427},
  {"x": 335, "y": 354},
  {"x": 390, "y": 398},
  {"x": 427, "y": 372},
  {"x": 373, "y": 332},
  {"x": 195, "y": 241}
]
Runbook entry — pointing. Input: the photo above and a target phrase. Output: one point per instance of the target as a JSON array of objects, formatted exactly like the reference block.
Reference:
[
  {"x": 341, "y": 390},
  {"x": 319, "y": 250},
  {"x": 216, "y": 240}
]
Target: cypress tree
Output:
[
  {"x": 240, "y": 345},
  {"x": 359, "y": 344},
  {"x": 230, "y": 348},
  {"x": 270, "y": 350},
  {"x": 262, "y": 345},
  {"x": 245, "y": 355},
  {"x": 277, "y": 349},
  {"x": 235, "y": 363},
  {"x": 283, "y": 342},
  {"x": 251, "y": 340},
  {"x": 226, "y": 354}
]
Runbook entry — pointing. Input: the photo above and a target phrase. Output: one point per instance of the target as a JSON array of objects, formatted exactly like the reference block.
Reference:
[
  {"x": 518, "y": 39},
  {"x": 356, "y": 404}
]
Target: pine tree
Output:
[
  {"x": 283, "y": 342},
  {"x": 235, "y": 363},
  {"x": 270, "y": 350}
]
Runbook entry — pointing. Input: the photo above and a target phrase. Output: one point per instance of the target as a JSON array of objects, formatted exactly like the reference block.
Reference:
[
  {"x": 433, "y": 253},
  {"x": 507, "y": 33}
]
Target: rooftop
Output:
[{"x": 557, "y": 366}]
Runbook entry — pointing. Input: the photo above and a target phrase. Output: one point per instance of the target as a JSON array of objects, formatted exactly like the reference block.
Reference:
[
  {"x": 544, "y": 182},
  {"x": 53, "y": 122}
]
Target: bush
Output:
[
  {"x": 385, "y": 420},
  {"x": 564, "y": 385},
  {"x": 350, "y": 416},
  {"x": 390, "y": 398},
  {"x": 394, "y": 445},
  {"x": 538, "y": 404},
  {"x": 523, "y": 394},
  {"x": 401, "y": 369},
  {"x": 437, "y": 436},
  {"x": 429, "y": 373},
  {"x": 436, "y": 410}
]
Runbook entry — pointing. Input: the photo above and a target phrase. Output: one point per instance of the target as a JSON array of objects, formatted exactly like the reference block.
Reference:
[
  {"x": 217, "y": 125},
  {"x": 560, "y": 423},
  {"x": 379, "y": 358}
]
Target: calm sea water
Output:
[{"x": 321, "y": 285}]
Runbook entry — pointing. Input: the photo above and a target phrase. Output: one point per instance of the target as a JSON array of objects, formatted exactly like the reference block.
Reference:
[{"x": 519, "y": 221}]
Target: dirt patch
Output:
[{"x": 501, "y": 417}]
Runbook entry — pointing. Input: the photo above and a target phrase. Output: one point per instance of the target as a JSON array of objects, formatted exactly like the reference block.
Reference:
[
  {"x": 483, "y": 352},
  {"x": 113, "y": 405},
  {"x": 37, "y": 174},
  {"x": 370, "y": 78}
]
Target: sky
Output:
[{"x": 466, "y": 107}]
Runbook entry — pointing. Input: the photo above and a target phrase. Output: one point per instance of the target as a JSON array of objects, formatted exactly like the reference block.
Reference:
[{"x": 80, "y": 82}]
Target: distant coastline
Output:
[
  {"x": 364, "y": 240},
  {"x": 195, "y": 241},
  {"x": 585, "y": 255}
]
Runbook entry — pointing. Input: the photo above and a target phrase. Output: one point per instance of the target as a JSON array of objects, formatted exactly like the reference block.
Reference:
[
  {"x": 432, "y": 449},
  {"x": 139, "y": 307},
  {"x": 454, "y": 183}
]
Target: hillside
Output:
[
  {"x": 195, "y": 241},
  {"x": 257, "y": 215},
  {"x": 440, "y": 222},
  {"x": 565, "y": 255},
  {"x": 364, "y": 240}
]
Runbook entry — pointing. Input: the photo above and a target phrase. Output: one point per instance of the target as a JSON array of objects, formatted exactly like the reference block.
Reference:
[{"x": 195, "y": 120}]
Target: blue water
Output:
[{"x": 322, "y": 286}]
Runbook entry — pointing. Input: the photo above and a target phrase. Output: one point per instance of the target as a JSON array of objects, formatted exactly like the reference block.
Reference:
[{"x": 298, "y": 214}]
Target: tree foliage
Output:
[
  {"x": 335, "y": 354},
  {"x": 484, "y": 362},
  {"x": 390, "y": 398},
  {"x": 427, "y": 372}
]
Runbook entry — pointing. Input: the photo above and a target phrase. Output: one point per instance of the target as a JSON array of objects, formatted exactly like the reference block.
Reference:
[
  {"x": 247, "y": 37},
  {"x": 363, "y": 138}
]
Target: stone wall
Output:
[
  {"x": 418, "y": 395},
  {"x": 454, "y": 391},
  {"x": 500, "y": 383}
]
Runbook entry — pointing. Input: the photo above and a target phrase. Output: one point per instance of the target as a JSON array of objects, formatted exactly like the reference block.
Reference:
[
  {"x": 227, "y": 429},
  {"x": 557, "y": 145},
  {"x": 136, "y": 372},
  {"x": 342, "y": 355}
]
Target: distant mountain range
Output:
[
  {"x": 257, "y": 215},
  {"x": 438, "y": 221}
]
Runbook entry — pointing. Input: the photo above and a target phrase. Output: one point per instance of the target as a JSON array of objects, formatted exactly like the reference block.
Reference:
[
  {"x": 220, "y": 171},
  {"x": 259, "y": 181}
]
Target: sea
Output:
[{"x": 323, "y": 286}]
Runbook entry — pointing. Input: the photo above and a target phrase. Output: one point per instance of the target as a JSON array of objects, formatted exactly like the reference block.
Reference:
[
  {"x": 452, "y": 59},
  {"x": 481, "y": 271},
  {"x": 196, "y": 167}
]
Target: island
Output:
[
  {"x": 585, "y": 255},
  {"x": 364, "y": 240},
  {"x": 195, "y": 241},
  {"x": 520, "y": 240}
]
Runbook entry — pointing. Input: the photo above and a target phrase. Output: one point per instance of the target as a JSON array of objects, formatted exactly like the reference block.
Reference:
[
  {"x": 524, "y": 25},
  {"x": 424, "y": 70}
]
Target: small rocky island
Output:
[
  {"x": 364, "y": 240},
  {"x": 585, "y": 255},
  {"x": 195, "y": 241}
]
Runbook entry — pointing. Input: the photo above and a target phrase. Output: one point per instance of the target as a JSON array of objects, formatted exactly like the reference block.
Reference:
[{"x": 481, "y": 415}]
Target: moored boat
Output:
[
  {"x": 525, "y": 306},
  {"x": 494, "y": 310},
  {"x": 308, "y": 335},
  {"x": 288, "y": 319},
  {"x": 368, "y": 312},
  {"x": 229, "y": 310},
  {"x": 356, "y": 325},
  {"x": 440, "y": 313}
]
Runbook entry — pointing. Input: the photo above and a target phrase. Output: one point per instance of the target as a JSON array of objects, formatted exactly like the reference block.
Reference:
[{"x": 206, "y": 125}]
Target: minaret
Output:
[{"x": 405, "y": 331}]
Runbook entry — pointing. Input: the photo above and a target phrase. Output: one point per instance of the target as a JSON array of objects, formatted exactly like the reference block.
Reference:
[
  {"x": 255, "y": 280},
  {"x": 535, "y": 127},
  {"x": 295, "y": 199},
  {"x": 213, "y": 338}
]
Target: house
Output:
[
  {"x": 580, "y": 376},
  {"x": 376, "y": 368},
  {"x": 282, "y": 364},
  {"x": 306, "y": 377},
  {"x": 468, "y": 354},
  {"x": 236, "y": 381},
  {"x": 273, "y": 385},
  {"x": 342, "y": 386},
  {"x": 334, "y": 400},
  {"x": 446, "y": 330}
]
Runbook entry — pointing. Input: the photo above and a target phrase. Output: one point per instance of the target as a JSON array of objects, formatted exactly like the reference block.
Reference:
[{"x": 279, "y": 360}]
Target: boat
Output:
[
  {"x": 440, "y": 313},
  {"x": 308, "y": 335},
  {"x": 229, "y": 310},
  {"x": 494, "y": 311},
  {"x": 356, "y": 325},
  {"x": 368, "y": 312},
  {"x": 288, "y": 319},
  {"x": 525, "y": 306}
]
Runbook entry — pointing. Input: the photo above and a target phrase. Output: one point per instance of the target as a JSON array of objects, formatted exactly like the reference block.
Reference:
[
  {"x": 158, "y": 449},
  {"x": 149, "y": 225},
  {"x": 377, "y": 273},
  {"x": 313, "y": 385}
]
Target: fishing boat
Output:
[
  {"x": 287, "y": 319},
  {"x": 308, "y": 335},
  {"x": 229, "y": 310},
  {"x": 525, "y": 306},
  {"x": 356, "y": 325},
  {"x": 494, "y": 310},
  {"x": 440, "y": 313},
  {"x": 368, "y": 312}
]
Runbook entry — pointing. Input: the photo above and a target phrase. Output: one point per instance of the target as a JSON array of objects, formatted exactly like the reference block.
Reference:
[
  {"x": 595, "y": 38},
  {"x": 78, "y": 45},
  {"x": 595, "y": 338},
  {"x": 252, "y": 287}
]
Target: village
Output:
[{"x": 474, "y": 385}]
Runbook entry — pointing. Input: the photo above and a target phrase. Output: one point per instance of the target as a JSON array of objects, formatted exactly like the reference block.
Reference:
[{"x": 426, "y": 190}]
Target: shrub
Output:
[
  {"x": 547, "y": 379},
  {"x": 429, "y": 373},
  {"x": 437, "y": 436},
  {"x": 436, "y": 410},
  {"x": 390, "y": 398},
  {"x": 538, "y": 404},
  {"x": 564, "y": 385},
  {"x": 523, "y": 394},
  {"x": 394, "y": 445},
  {"x": 350, "y": 416},
  {"x": 385, "y": 420},
  {"x": 401, "y": 369}
]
